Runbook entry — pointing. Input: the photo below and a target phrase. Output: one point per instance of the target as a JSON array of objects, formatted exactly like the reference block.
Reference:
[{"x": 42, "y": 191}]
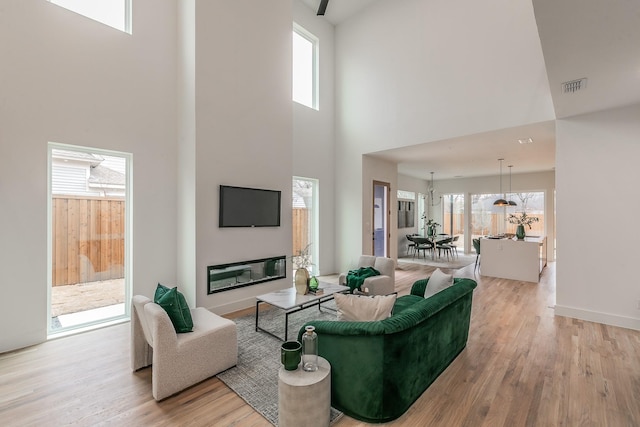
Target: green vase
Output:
[
  {"x": 313, "y": 284},
  {"x": 520, "y": 232}
]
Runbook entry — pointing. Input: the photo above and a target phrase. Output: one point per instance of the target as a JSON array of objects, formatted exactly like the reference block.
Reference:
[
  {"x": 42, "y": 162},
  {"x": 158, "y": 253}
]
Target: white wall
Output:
[
  {"x": 415, "y": 71},
  {"x": 314, "y": 135},
  {"x": 243, "y": 131},
  {"x": 68, "y": 79},
  {"x": 597, "y": 183}
]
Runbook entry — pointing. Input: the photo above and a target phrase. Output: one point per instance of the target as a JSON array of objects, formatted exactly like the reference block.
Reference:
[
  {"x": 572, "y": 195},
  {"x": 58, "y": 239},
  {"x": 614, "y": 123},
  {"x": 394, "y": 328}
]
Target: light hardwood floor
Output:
[{"x": 523, "y": 366}]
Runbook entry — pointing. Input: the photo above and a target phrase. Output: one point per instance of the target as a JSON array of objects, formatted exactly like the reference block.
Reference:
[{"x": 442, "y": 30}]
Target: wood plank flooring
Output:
[{"x": 523, "y": 366}]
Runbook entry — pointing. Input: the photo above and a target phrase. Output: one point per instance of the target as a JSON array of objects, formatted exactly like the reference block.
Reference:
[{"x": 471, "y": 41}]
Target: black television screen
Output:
[{"x": 249, "y": 207}]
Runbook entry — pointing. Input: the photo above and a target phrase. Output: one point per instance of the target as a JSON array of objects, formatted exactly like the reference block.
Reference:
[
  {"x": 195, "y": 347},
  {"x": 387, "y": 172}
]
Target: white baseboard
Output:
[{"x": 594, "y": 316}]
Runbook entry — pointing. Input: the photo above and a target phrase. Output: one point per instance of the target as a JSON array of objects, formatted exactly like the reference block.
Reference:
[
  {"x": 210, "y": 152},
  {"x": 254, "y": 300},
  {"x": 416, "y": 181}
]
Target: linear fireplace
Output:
[{"x": 224, "y": 277}]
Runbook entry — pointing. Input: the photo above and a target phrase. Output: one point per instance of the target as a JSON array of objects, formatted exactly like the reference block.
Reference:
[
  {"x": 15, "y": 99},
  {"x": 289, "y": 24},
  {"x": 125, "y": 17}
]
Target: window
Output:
[
  {"x": 305, "y": 219},
  {"x": 487, "y": 219},
  {"x": 533, "y": 204},
  {"x": 89, "y": 228},
  {"x": 453, "y": 215},
  {"x": 115, "y": 13},
  {"x": 422, "y": 212},
  {"x": 305, "y": 67}
]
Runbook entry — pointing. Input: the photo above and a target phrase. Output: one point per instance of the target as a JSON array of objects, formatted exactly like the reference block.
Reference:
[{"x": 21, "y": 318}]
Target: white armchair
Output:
[
  {"x": 180, "y": 360},
  {"x": 383, "y": 284}
]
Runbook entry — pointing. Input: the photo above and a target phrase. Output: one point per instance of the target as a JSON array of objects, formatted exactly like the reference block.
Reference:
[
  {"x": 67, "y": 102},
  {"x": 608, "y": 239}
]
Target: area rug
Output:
[
  {"x": 460, "y": 261},
  {"x": 255, "y": 378}
]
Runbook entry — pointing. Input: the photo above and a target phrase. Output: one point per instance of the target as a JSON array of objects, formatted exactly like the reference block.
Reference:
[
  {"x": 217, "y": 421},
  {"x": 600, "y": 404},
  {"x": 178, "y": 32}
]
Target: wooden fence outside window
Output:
[
  {"x": 300, "y": 220},
  {"x": 88, "y": 239}
]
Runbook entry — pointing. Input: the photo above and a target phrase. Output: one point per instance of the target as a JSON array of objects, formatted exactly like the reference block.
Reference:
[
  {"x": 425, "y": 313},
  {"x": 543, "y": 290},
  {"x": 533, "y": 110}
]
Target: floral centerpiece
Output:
[
  {"x": 522, "y": 220},
  {"x": 431, "y": 227},
  {"x": 303, "y": 259}
]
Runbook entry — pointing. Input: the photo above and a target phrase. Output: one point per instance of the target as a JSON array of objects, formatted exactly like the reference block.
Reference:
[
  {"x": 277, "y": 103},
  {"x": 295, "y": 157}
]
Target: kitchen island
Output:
[{"x": 513, "y": 259}]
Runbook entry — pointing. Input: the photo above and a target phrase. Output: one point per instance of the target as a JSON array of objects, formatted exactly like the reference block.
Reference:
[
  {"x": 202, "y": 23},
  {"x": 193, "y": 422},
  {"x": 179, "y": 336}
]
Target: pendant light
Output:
[
  {"x": 502, "y": 201},
  {"x": 511, "y": 202},
  {"x": 433, "y": 194}
]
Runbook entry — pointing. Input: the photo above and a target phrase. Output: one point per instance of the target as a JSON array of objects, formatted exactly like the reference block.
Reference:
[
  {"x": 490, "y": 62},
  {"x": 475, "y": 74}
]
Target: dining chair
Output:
[
  {"x": 443, "y": 245},
  {"x": 454, "y": 247},
  {"x": 476, "y": 246},
  {"x": 422, "y": 244},
  {"x": 411, "y": 246}
]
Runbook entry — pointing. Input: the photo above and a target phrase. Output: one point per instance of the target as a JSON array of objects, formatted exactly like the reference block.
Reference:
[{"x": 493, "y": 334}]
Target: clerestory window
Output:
[
  {"x": 305, "y": 67},
  {"x": 115, "y": 13}
]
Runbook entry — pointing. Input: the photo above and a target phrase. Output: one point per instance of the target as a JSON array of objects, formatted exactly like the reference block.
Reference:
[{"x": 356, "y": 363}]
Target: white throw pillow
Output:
[
  {"x": 438, "y": 282},
  {"x": 362, "y": 308}
]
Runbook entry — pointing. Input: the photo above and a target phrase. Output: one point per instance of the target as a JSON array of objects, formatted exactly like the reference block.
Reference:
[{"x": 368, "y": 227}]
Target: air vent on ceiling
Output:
[{"x": 574, "y": 85}]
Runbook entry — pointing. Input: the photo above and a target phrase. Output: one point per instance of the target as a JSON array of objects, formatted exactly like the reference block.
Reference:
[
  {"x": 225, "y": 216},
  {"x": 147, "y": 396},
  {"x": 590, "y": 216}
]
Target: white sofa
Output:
[
  {"x": 180, "y": 360},
  {"x": 384, "y": 284}
]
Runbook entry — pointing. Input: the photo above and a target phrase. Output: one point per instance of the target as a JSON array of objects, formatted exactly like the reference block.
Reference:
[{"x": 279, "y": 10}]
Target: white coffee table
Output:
[{"x": 291, "y": 302}]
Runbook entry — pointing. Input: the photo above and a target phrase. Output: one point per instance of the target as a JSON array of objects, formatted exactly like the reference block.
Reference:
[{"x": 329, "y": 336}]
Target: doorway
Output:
[
  {"x": 381, "y": 220},
  {"x": 89, "y": 225}
]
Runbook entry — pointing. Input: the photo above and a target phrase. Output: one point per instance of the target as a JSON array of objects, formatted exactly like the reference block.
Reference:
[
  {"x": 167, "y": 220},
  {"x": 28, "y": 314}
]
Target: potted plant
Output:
[
  {"x": 302, "y": 262},
  {"x": 522, "y": 220}
]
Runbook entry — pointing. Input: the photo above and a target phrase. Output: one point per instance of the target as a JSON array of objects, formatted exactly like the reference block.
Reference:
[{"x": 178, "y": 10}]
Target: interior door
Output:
[{"x": 381, "y": 216}]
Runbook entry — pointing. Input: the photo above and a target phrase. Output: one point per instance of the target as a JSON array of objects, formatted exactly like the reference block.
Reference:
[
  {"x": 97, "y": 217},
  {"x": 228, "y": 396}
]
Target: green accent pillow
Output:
[
  {"x": 176, "y": 307},
  {"x": 160, "y": 290}
]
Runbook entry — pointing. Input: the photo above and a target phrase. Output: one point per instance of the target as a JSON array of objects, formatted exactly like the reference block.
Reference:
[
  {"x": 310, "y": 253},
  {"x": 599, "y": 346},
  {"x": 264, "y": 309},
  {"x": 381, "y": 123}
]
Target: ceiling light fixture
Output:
[
  {"x": 433, "y": 194},
  {"x": 526, "y": 141},
  {"x": 502, "y": 201},
  {"x": 511, "y": 202}
]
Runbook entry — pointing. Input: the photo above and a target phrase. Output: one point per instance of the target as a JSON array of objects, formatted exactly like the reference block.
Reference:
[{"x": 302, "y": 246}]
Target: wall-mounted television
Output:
[{"x": 249, "y": 207}]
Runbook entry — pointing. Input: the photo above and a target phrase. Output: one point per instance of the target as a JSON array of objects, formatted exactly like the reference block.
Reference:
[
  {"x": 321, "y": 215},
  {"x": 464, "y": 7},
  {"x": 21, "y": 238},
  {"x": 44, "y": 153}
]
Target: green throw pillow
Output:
[
  {"x": 160, "y": 290},
  {"x": 176, "y": 307}
]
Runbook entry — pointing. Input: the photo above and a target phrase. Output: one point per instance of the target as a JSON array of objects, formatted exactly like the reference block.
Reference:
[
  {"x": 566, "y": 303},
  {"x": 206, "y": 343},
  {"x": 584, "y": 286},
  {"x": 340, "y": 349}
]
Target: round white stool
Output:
[{"x": 304, "y": 398}]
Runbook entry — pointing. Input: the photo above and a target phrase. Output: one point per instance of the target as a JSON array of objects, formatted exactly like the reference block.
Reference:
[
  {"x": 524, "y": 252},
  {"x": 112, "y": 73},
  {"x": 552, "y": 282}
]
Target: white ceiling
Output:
[
  {"x": 477, "y": 155},
  {"x": 596, "y": 39}
]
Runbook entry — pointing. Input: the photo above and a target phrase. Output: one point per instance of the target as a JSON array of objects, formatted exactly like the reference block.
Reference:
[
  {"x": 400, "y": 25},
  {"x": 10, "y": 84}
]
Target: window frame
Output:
[{"x": 128, "y": 239}]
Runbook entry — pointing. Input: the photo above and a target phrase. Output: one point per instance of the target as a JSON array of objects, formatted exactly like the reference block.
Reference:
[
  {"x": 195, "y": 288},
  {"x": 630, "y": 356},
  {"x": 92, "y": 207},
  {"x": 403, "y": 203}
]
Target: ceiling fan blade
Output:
[{"x": 323, "y": 7}]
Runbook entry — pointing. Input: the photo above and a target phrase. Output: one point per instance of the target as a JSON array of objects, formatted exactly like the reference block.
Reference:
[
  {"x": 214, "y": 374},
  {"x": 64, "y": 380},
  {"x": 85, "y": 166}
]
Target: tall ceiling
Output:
[
  {"x": 339, "y": 10},
  {"x": 593, "y": 39}
]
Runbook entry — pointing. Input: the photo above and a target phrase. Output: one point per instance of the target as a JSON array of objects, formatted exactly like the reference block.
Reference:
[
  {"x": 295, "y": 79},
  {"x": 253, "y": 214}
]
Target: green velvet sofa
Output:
[{"x": 379, "y": 368}]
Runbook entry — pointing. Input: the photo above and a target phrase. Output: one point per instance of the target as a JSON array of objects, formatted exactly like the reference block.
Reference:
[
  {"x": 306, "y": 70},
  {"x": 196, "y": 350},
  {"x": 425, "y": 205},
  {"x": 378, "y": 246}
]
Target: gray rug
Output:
[
  {"x": 255, "y": 378},
  {"x": 462, "y": 260}
]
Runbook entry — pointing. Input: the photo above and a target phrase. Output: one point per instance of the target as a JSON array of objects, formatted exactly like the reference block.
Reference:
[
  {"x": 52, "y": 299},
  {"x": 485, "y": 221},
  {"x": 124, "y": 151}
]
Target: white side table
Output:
[{"x": 304, "y": 398}]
